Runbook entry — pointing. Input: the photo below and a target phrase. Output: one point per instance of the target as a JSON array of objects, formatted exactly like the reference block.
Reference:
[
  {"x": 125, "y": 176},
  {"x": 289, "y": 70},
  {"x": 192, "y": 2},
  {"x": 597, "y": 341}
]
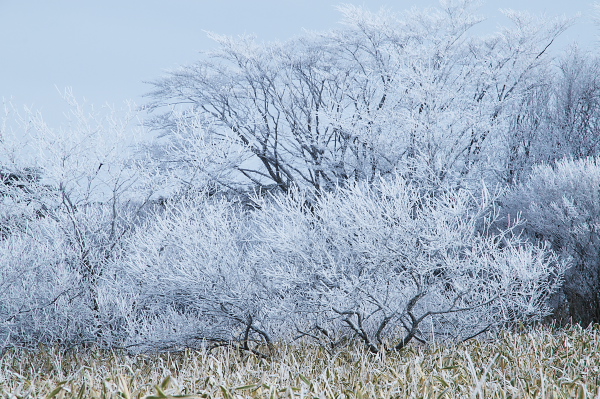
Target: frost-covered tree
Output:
[
  {"x": 558, "y": 118},
  {"x": 413, "y": 93},
  {"x": 576, "y": 106}
]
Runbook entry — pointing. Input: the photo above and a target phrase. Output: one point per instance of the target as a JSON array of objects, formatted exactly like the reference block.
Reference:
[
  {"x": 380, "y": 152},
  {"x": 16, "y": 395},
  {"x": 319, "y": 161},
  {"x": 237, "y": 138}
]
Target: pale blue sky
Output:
[{"x": 105, "y": 49}]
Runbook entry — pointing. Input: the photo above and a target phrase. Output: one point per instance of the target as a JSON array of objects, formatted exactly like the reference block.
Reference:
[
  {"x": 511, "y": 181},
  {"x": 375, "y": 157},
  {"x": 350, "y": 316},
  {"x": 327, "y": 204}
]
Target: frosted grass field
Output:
[{"x": 541, "y": 363}]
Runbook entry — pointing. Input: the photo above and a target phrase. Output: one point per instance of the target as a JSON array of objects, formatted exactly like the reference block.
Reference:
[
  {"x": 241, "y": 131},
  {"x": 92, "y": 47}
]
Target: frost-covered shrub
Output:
[
  {"x": 384, "y": 265},
  {"x": 560, "y": 203},
  {"x": 52, "y": 278},
  {"x": 67, "y": 198},
  {"x": 42, "y": 298},
  {"x": 388, "y": 265},
  {"x": 188, "y": 281}
]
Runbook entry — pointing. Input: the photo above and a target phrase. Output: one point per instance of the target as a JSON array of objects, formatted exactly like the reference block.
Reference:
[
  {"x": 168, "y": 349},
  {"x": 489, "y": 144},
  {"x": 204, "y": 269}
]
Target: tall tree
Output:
[{"x": 410, "y": 92}]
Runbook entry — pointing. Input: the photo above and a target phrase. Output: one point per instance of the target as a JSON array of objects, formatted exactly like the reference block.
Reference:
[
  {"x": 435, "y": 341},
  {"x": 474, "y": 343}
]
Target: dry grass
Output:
[{"x": 542, "y": 363}]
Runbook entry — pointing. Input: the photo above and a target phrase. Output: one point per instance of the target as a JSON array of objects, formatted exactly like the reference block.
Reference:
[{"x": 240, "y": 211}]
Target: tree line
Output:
[{"x": 394, "y": 180}]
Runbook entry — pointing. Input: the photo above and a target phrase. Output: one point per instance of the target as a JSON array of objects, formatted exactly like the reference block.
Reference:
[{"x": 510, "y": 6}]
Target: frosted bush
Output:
[
  {"x": 388, "y": 265},
  {"x": 42, "y": 299},
  {"x": 560, "y": 204},
  {"x": 67, "y": 199},
  {"x": 383, "y": 264},
  {"x": 190, "y": 279}
]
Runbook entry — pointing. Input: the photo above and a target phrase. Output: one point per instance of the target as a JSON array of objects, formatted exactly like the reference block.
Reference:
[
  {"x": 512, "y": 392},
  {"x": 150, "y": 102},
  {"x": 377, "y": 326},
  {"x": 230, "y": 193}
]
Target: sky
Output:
[{"x": 106, "y": 50}]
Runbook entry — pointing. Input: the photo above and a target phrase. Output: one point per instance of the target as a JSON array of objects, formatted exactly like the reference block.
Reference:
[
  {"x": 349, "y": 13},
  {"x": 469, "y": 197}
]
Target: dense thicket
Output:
[{"x": 333, "y": 187}]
